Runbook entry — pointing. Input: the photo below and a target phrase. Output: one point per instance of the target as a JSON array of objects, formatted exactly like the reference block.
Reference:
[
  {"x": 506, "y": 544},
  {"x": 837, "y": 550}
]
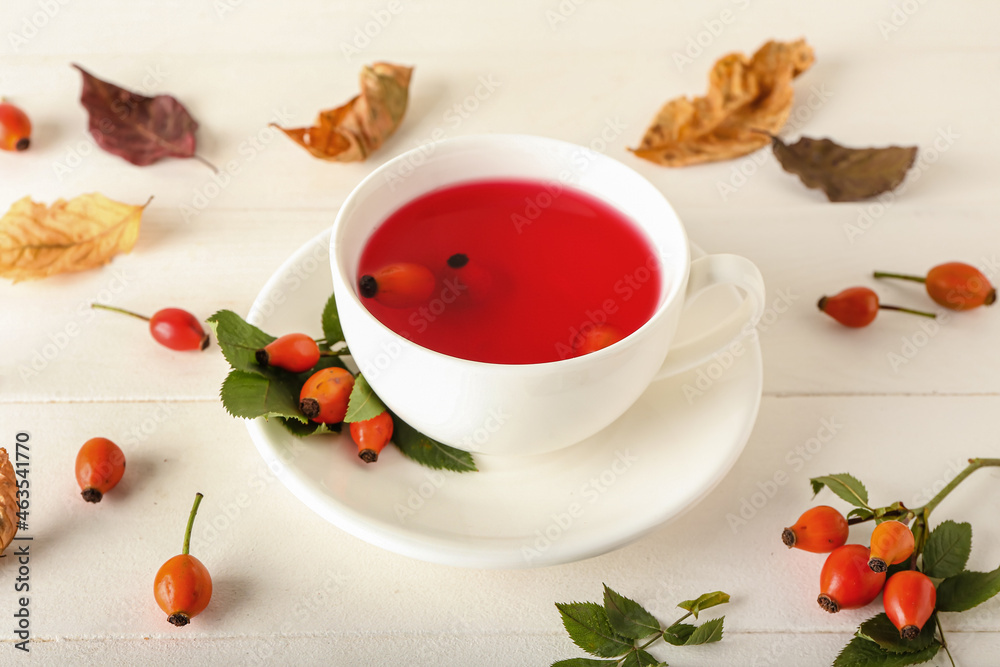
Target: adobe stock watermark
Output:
[
  {"x": 590, "y": 492},
  {"x": 901, "y": 14},
  {"x": 75, "y": 154},
  {"x": 876, "y": 210},
  {"x": 365, "y": 34},
  {"x": 741, "y": 173},
  {"x": 561, "y": 12},
  {"x": 316, "y": 258},
  {"x": 795, "y": 460},
  {"x": 713, "y": 28},
  {"x": 926, "y": 493},
  {"x": 248, "y": 149},
  {"x": 451, "y": 119},
  {"x": 32, "y": 25},
  {"x": 710, "y": 373}
]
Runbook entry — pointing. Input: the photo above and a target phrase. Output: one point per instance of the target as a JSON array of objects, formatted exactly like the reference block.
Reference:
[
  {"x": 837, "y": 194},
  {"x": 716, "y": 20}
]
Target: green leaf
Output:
[
  {"x": 585, "y": 662},
  {"x": 627, "y": 617},
  {"x": 707, "y": 632},
  {"x": 588, "y": 627},
  {"x": 238, "y": 340},
  {"x": 639, "y": 658},
  {"x": 890, "y": 513},
  {"x": 678, "y": 633},
  {"x": 704, "y": 602},
  {"x": 250, "y": 395},
  {"x": 363, "y": 403},
  {"x": 431, "y": 453},
  {"x": 861, "y": 652},
  {"x": 967, "y": 589},
  {"x": 880, "y": 630},
  {"x": 295, "y": 427},
  {"x": 860, "y": 512},
  {"x": 947, "y": 549},
  {"x": 331, "y": 324},
  {"x": 845, "y": 486}
]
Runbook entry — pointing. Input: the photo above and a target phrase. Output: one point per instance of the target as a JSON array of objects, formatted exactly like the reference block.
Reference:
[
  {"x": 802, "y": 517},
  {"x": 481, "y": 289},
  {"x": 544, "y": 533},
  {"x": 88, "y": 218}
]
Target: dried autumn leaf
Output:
[
  {"x": 351, "y": 132},
  {"x": 135, "y": 127},
  {"x": 8, "y": 501},
  {"x": 845, "y": 174},
  {"x": 37, "y": 241},
  {"x": 744, "y": 94}
]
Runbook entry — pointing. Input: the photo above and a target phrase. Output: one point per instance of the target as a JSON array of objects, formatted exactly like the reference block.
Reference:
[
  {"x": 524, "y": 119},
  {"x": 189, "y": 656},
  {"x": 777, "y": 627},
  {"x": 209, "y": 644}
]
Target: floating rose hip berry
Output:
[
  {"x": 909, "y": 598},
  {"x": 846, "y": 581},
  {"x": 469, "y": 278},
  {"x": 325, "y": 395},
  {"x": 15, "y": 128},
  {"x": 372, "y": 435},
  {"x": 183, "y": 586},
  {"x": 596, "y": 338},
  {"x": 400, "y": 285},
  {"x": 100, "y": 465},
  {"x": 857, "y": 307},
  {"x": 170, "y": 327},
  {"x": 819, "y": 530},
  {"x": 953, "y": 285},
  {"x": 892, "y": 543},
  {"x": 294, "y": 352}
]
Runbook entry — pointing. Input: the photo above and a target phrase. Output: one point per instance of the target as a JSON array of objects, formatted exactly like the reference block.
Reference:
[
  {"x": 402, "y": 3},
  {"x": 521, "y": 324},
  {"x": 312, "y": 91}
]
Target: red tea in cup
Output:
[{"x": 509, "y": 272}]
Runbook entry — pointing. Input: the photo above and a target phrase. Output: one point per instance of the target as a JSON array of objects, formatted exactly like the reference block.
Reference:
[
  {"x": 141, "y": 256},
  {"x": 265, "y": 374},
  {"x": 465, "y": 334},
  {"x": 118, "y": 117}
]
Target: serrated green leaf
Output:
[
  {"x": 628, "y": 617},
  {"x": 845, "y": 486},
  {"x": 947, "y": 549},
  {"x": 238, "y": 340},
  {"x": 967, "y": 589},
  {"x": 880, "y": 630},
  {"x": 431, "y": 453},
  {"x": 332, "y": 332},
  {"x": 250, "y": 395},
  {"x": 678, "y": 633},
  {"x": 704, "y": 602},
  {"x": 639, "y": 658},
  {"x": 363, "y": 403},
  {"x": 585, "y": 662},
  {"x": 295, "y": 427},
  {"x": 861, "y": 652},
  {"x": 588, "y": 627},
  {"x": 860, "y": 512},
  {"x": 707, "y": 632}
]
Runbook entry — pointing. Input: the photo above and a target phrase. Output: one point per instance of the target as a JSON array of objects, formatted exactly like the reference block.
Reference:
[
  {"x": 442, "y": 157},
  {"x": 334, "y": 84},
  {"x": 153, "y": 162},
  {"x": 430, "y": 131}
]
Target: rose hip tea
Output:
[{"x": 509, "y": 272}]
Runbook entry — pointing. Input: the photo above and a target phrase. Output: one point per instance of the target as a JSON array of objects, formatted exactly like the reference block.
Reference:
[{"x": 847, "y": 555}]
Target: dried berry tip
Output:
[
  {"x": 368, "y": 286},
  {"x": 309, "y": 407},
  {"x": 92, "y": 495},
  {"x": 260, "y": 355},
  {"x": 828, "y": 603},
  {"x": 204, "y": 341},
  {"x": 788, "y": 537},
  {"x": 180, "y": 619},
  {"x": 910, "y": 632},
  {"x": 822, "y": 303},
  {"x": 990, "y": 298},
  {"x": 877, "y": 565},
  {"x": 23, "y": 144},
  {"x": 368, "y": 455},
  {"x": 458, "y": 260}
]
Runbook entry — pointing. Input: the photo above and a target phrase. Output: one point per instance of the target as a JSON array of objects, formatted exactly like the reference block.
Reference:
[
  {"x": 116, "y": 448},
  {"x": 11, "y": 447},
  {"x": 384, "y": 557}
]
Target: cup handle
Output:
[{"x": 706, "y": 272}]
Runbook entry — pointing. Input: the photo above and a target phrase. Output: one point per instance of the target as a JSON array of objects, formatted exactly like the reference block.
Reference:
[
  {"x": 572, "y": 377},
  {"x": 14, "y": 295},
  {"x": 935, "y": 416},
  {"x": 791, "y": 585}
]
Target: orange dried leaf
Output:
[
  {"x": 744, "y": 94},
  {"x": 8, "y": 501},
  {"x": 351, "y": 132},
  {"x": 37, "y": 241}
]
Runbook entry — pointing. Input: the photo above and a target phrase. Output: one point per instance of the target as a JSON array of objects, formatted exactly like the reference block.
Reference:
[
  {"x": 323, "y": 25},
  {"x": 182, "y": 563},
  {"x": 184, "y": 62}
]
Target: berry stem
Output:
[
  {"x": 119, "y": 310},
  {"x": 944, "y": 644},
  {"x": 974, "y": 465},
  {"x": 206, "y": 163},
  {"x": 922, "y": 313},
  {"x": 901, "y": 276},
  {"x": 187, "y": 533}
]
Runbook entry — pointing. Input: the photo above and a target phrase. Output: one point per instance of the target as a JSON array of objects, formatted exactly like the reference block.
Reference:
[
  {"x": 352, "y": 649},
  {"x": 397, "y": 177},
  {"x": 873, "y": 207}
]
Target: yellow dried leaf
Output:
[
  {"x": 351, "y": 132},
  {"x": 8, "y": 501},
  {"x": 37, "y": 241},
  {"x": 744, "y": 94}
]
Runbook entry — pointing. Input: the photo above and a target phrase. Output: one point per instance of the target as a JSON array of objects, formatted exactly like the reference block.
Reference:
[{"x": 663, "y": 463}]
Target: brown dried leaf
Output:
[
  {"x": 744, "y": 94},
  {"x": 845, "y": 174},
  {"x": 351, "y": 132},
  {"x": 8, "y": 501},
  {"x": 86, "y": 232}
]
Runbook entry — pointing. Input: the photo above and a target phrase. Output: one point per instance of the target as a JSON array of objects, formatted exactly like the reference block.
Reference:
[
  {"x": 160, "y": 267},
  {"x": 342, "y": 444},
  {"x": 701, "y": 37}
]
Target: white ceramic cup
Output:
[{"x": 517, "y": 409}]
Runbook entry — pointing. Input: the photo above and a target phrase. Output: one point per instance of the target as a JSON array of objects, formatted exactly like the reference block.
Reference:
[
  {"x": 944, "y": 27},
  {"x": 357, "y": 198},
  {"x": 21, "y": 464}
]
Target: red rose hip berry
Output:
[
  {"x": 857, "y": 307},
  {"x": 294, "y": 352},
  {"x": 819, "y": 530},
  {"x": 15, "y": 128},
  {"x": 171, "y": 327},
  {"x": 325, "y": 395},
  {"x": 372, "y": 435},
  {"x": 100, "y": 465},
  {"x": 953, "y": 285},
  {"x": 909, "y": 598},
  {"x": 846, "y": 581},
  {"x": 399, "y": 285}
]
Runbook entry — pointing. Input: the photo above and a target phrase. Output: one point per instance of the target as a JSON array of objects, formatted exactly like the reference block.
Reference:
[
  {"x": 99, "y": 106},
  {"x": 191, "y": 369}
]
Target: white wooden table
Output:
[{"x": 292, "y": 589}]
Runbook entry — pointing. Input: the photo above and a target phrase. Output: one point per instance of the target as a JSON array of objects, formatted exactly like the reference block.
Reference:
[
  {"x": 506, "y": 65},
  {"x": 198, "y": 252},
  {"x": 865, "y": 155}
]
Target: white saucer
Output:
[{"x": 666, "y": 453}]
